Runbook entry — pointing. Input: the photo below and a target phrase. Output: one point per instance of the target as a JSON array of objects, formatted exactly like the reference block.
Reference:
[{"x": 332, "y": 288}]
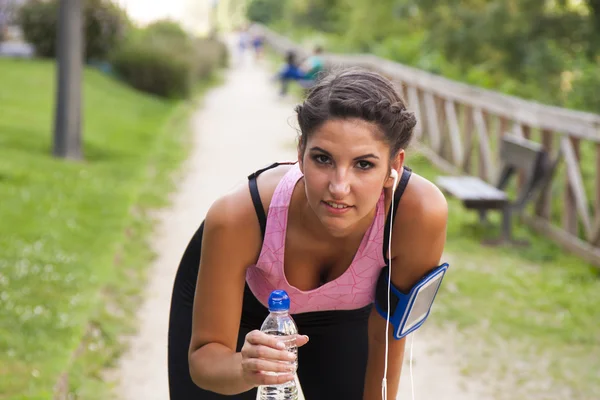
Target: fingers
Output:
[
  {"x": 260, "y": 378},
  {"x": 260, "y": 338},
  {"x": 268, "y": 353},
  {"x": 265, "y": 359},
  {"x": 301, "y": 340},
  {"x": 259, "y": 365}
]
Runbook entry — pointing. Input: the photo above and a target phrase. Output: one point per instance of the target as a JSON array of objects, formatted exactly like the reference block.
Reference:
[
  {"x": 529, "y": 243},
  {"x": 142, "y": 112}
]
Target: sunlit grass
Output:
[{"x": 72, "y": 234}]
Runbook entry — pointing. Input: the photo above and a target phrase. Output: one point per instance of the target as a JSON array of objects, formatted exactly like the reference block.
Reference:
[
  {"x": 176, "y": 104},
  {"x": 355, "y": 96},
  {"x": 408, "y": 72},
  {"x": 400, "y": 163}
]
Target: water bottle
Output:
[{"x": 280, "y": 323}]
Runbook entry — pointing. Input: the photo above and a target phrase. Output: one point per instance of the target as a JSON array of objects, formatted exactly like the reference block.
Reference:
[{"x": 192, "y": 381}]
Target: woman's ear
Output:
[
  {"x": 398, "y": 161},
  {"x": 396, "y": 164},
  {"x": 300, "y": 159}
]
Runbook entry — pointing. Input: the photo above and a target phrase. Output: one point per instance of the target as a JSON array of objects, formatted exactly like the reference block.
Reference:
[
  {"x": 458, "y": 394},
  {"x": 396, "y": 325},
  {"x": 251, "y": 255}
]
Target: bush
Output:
[
  {"x": 155, "y": 68},
  {"x": 164, "y": 60},
  {"x": 38, "y": 20},
  {"x": 105, "y": 25},
  {"x": 166, "y": 29}
]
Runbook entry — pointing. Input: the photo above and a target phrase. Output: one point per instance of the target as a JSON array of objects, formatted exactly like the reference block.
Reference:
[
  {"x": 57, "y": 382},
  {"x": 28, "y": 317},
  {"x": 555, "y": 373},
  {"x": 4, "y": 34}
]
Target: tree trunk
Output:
[{"x": 67, "y": 124}]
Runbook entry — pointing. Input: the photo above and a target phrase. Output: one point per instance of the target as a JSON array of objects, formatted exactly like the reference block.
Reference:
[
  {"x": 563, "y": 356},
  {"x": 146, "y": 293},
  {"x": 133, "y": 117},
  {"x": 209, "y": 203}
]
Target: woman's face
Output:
[{"x": 346, "y": 164}]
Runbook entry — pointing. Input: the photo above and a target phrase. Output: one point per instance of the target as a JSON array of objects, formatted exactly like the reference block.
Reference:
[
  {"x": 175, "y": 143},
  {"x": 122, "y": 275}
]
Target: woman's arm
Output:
[
  {"x": 418, "y": 239},
  {"x": 230, "y": 243}
]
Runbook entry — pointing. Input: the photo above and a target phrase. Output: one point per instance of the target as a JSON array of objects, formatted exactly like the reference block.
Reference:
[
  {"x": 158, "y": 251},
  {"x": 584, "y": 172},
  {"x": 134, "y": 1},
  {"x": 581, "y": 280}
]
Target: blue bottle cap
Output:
[{"x": 279, "y": 301}]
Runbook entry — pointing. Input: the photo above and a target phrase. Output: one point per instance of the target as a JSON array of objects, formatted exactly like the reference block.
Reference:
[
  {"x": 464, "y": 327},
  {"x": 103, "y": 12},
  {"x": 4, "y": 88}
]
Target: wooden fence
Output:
[{"x": 458, "y": 130}]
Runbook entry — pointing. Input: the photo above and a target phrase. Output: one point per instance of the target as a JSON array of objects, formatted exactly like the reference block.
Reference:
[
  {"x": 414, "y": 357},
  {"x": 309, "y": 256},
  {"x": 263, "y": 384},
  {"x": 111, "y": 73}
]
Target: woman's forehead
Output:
[{"x": 348, "y": 135}]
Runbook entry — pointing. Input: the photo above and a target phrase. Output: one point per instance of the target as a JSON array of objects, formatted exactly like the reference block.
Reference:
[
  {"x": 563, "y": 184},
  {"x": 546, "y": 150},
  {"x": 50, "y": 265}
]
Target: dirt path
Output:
[{"x": 241, "y": 126}]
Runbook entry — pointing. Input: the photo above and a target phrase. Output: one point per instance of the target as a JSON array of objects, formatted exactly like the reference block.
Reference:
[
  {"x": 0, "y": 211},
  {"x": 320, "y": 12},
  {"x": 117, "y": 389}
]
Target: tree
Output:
[
  {"x": 67, "y": 123},
  {"x": 265, "y": 11},
  {"x": 594, "y": 6}
]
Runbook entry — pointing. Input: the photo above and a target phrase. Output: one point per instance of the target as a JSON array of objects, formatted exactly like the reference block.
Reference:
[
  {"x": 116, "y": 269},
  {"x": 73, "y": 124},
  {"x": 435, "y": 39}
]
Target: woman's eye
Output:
[
  {"x": 321, "y": 158},
  {"x": 364, "y": 164}
]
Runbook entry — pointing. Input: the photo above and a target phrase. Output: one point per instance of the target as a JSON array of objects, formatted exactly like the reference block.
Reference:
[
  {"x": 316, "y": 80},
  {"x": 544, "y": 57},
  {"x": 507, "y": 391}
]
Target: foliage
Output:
[
  {"x": 105, "y": 24},
  {"x": 542, "y": 50},
  {"x": 154, "y": 68},
  {"x": 165, "y": 60},
  {"x": 265, "y": 11},
  {"x": 321, "y": 15},
  {"x": 165, "y": 29}
]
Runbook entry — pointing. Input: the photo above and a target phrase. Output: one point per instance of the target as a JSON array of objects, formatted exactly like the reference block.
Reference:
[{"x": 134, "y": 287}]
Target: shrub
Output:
[
  {"x": 166, "y": 29},
  {"x": 165, "y": 60},
  {"x": 39, "y": 20},
  {"x": 105, "y": 25},
  {"x": 155, "y": 68}
]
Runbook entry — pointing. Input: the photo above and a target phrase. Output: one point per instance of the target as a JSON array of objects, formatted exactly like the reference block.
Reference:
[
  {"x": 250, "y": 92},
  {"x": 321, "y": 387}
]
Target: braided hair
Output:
[{"x": 357, "y": 93}]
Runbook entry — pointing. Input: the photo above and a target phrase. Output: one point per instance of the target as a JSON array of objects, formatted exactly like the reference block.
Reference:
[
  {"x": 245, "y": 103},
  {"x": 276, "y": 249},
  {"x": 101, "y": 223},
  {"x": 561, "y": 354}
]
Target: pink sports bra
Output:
[{"x": 354, "y": 289}]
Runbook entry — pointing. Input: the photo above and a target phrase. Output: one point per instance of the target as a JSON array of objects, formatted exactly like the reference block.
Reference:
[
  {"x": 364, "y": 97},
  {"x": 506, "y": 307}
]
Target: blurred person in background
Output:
[
  {"x": 312, "y": 68},
  {"x": 258, "y": 44},
  {"x": 289, "y": 72}
]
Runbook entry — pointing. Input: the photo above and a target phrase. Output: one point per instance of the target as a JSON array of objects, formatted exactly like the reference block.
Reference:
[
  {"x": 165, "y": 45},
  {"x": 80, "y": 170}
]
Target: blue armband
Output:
[{"x": 408, "y": 310}]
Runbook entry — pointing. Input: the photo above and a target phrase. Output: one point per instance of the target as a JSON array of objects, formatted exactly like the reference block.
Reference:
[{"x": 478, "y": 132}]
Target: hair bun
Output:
[
  {"x": 382, "y": 105},
  {"x": 407, "y": 118},
  {"x": 397, "y": 108}
]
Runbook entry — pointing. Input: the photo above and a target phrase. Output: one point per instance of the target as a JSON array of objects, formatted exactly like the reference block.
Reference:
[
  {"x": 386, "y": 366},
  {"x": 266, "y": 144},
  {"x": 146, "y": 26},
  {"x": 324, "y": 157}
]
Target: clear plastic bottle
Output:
[{"x": 280, "y": 323}]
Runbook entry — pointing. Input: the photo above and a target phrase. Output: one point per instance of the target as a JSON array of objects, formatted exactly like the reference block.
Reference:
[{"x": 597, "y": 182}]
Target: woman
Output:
[{"x": 315, "y": 228}]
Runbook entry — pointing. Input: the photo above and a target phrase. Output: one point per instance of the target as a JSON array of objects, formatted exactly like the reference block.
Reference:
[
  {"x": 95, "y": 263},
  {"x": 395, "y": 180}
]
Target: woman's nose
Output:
[{"x": 339, "y": 186}]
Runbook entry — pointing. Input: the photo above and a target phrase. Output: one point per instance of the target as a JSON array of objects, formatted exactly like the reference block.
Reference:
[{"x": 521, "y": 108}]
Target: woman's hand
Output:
[{"x": 265, "y": 360}]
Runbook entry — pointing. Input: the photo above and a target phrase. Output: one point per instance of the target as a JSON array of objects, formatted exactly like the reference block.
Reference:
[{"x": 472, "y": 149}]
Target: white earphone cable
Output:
[
  {"x": 412, "y": 381},
  {"x": 387, "y": 320}
]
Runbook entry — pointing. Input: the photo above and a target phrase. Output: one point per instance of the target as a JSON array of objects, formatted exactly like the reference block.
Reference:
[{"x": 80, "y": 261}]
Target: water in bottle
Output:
[{"x": 280, "y": 323}]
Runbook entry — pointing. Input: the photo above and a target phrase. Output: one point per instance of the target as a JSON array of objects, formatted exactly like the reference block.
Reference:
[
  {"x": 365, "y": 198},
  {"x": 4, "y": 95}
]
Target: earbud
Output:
[{"x": 394, "y": 174}]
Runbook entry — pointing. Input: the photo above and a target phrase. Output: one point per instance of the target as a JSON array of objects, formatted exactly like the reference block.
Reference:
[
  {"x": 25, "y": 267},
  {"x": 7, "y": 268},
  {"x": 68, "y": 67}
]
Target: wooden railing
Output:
[{"x": 458, "y": 130}]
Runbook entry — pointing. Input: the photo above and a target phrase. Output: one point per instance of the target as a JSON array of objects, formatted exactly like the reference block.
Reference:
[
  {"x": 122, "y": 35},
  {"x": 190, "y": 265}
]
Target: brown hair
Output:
[{"x": 357, "y": 93}]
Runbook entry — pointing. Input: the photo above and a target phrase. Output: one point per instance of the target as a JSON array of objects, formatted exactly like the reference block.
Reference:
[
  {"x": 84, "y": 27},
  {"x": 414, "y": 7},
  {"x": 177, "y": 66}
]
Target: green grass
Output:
[
  {"x": 525, "y": 317},
  {"x": 73, "y": 234}
]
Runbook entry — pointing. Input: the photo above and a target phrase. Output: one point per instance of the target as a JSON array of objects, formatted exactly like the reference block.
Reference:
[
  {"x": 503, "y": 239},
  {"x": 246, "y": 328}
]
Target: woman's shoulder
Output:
[
  {"x": 422, "y": 199},
  {"x": 235, "y": 209},
  {"x": 419, "y": 232},
  {"x": 422, "y": 211},
  {"x": 232, "y": 220}
]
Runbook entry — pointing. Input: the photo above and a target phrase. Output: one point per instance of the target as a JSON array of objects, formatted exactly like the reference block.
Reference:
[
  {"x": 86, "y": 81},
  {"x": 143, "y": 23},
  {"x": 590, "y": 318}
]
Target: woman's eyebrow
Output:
[{"x": 369, "y": 155}]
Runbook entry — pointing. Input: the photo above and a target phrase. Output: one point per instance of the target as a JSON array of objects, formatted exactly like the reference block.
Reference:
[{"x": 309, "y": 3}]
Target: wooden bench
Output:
[{"x": 516, "y": 155}]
